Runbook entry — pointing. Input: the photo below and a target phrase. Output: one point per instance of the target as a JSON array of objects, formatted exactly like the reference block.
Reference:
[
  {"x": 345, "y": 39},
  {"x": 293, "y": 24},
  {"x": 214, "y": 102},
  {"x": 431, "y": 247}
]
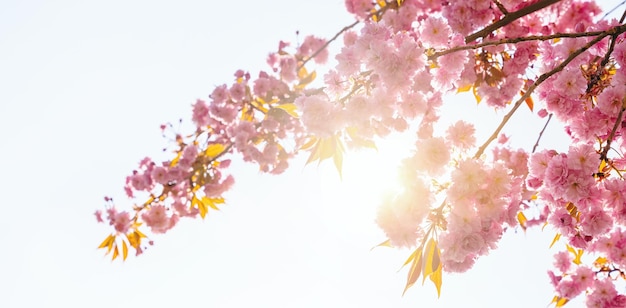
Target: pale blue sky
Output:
[{"x": 84, "y": 86}]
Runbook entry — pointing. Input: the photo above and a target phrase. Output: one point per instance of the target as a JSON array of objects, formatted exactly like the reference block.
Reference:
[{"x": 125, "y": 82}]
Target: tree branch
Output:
[
  {"x": 509, "y": 18},
  {"x": 541, "y": 133},
  {"x": 540, "y": 80}
]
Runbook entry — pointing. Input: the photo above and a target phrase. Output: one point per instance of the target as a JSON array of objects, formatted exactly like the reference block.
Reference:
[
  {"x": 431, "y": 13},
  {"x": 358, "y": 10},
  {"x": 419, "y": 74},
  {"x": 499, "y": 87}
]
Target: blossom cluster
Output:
[{"x": 392, "y": 75}]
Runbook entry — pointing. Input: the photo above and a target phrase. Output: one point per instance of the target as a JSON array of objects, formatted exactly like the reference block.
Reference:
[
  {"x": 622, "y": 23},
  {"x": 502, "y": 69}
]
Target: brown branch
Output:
[
  {"x": 509, "y": 18},
  {"x": 541, "y": 133},
  {"x": 618, "y": 122},
  {"x": 521, "y": 39},
  {"x": 540, "y": 80},
  {"x": 501, "y": 7},
  {"x": 346, "y": 28}
]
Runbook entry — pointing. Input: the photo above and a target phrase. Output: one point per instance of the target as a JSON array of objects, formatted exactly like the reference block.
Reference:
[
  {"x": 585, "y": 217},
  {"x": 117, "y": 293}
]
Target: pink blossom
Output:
[
  {"x": 435, "y": 32},
  {"x": 432, "y": 155},
  {"x": 158, "y": 220},
  {"x": 596, "y": 222},
  {"x": 563, "y": 261},
  {"x": 461, "y": 135},
  {"x": 200, "y": 113},
  {"x": 119, "y": 220}
]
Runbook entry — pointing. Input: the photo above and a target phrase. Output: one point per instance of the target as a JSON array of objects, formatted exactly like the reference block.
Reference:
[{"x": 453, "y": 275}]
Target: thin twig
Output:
[
  {"x": 613, "y": 9},
  {"x": 606, "y": 148},
  {"x": 509, "y": 18},
  {"x": 501, "y": 7},
  {"x": 540, "y": 80},
  {"x": 619, "y": 29},
  {"x": 346, "y": 28},
  {"x": 541, "y": 133}
]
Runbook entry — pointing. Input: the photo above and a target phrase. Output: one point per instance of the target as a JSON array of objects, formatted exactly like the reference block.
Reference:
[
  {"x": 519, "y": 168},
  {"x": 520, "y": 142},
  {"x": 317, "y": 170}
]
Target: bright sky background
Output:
[{"x": 84, "y": 86}]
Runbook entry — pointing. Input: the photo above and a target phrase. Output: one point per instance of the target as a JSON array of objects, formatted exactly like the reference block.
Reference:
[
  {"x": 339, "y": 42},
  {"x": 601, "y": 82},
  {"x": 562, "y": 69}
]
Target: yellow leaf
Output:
[
  {"x": 134, "y": 239},
  {"x": 464, "y": 88},
  {"x": 600, "y": 261},
  {"x": 195, "y": 202},
  {"x": 382, "y": 3},
  {"x": 476, "y": 96},
  {"x": 327, "y": 148},
  {"x": 338, "y": 160},
  {"x": 116, "y": 253},
  {"x": 436, "y": 278},
  {"x": 176, "y": 159},
  {"x": 315, "y": 152},
  {"x": 307, "y": 145},
  {"x": 306, "y": 80},
  {"x": 522, "y": 220},
  {"x": 556, "y": 238},
  {"x": 577, "y": 254},
  {"x": 431, "y": 260},
  {"x": 124, "y": 250},
  {"x": 107, "y": 242},
  {"x": 415, "y": 270},
  {"x": 211, "y": 202},
  {"x": 302, "y": 72},
  {"x": 289, "y": 108},
  {"x": 214, "y": 150},
  {"x": 560, "y": 301},
  {"x": 386, "y": 243}
]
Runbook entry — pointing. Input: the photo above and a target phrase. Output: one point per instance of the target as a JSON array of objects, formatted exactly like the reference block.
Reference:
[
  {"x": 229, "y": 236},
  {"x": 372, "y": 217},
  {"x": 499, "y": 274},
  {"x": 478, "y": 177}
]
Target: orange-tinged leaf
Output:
[
  {"x": 431, "y": 258},
  {"x": 386, "y": 243},
  {"x": 289, "y": 108},
  {"x": 415, "y": 270},
  {"x": 464, "y": 88},
  {"x": 600, "y": 261},
  {"x": 124, "y": 250},
  {"x": 211, "y": 202},
  {"x": 436, "y": 278},
  {"x": 578, "y": 253},
  {"x": 529, "y": 101},
  {"x": 556, "y": 238},
  {"x": 202, "y": 208},
  {"x": 521, "y": 218},
  {"x": 107, "y": 242},
  {"x": 560, "y": 301},
  {"x": 382, "y": 3},
  {"x": 214, "y": 150},
  {"x": 116, "y": 253}
]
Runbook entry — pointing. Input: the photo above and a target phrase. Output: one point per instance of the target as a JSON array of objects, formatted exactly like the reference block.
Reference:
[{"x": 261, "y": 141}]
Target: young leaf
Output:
[
  {"x": 386, "y": 243},
  {"x": 116, "y": 252},
  {"x": 107, "y": 242},
  {"x": 214, "y": 150},
  {"x": 431, "y": 260},
  {"x": 529, "y": 101},
  {"x": 522, "y": 220},
  {"x": 556, "y": 238},
  {"x": 415, "y": 270},
  {"x": 211, "y": 202},
  {"x": 289, "y": 108},
  {"x": 436, "y": 278},
  {"x": 195, "y": 202},
  {"x": 124, "y": 250},
  {"x": 307, "y": 145},
  {"x": 315, "y": 152}
]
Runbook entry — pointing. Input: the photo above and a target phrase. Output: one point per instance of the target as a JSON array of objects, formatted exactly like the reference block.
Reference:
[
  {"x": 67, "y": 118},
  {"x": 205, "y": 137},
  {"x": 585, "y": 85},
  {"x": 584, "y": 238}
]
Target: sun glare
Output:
[{"x": 368, "y": 176}]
